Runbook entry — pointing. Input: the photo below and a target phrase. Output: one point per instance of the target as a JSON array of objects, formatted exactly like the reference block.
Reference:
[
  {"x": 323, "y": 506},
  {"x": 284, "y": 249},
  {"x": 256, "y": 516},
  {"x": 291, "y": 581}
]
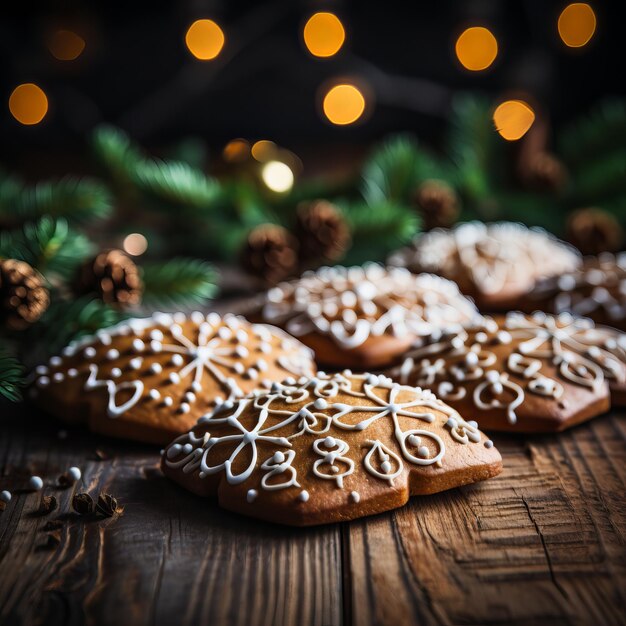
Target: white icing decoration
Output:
[
  {"x": 332, "y": 450},
  {"x": 352, "y": 304},
  {"x": 277, "y": 465},
  {"x": 384, "y": 455},
  {"x": 113, "y": 409}
]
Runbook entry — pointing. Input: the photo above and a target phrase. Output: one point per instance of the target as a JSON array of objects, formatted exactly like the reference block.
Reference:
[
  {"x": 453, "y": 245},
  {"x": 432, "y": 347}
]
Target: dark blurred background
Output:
[{"x": 136, "y": 71}]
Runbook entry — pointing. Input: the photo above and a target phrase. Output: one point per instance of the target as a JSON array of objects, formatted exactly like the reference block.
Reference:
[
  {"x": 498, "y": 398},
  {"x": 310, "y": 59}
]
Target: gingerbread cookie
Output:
[
  {"x": 495, "y": 264},
  {"x": 525, "y": 373},
  {"x": 596, "y": 290},
  {"x": 151, "y": 379},
  {"x": 329, "y": 448},
  {"x": 364, "y": 317}
]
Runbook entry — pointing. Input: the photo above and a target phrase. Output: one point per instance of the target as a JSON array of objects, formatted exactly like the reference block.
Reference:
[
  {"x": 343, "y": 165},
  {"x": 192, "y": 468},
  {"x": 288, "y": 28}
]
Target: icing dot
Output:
[
  {"x": 72, "y": 372},
  {"x": 156, "y": 334},
  {"x": 278, "y": 457},
  {"x": 196, "y": 386},
  {"x": 355, "y": 497},
  {"x": 252, "y": 374},
  {"x": 190, "y": 397},
  {"x": 187, "y": 448},
  {"x": 174, "y": 377},
  {"x": 156, "y": 346},
  {"x": 58, "y": 377},
  {"x": 167, "y": 401},
  {"x": 481, "y": 337},
  {"x": 41, "y": 369},
  {"x": 179, "y": 317},
  {"x": 261, "y": 365},
  {"x": 303, "y": 496},
  {"x": 492, "y": 376},
  {"x": 320, "y": 403},
  {"x": 74, "y": 474},
  {"x": 471, "y": 358},
  {"x": 224, "y": 333},
  {"x": 105, "y": 339},
  {"x": 112, "y": 354},
  {"x": 241, "y": 352},
  {"x": 35, "y": 483},
  {"x": 414, "y": 440},
  {"x": 43, "y": 381},
  {"x": 176, "y": 330},
  {"x": 184, "y": 407},
  {"x": 116, "y": 372},
  {"x": 5, "y": 496},
  {"x": 488, "y": 443},
  {"x": 90, "y": 352},
  {"x": 330, "y": 442},
  {"x": 423, "y": 451},
  {"x": 138, "y": 345},
  {"x": 386, "y": 467},
  {"x": 156, "y": 368},
  {"x": 251, "y": 495},
  {"x": 266, "y": 348},
  {"x": 173, "y": 451},
  {"x": 136, "y": 363},
  {"x": 154, "y": 394},
  {"x": 177, "y": 360},
  {"x": 55, "y": 361},
  {"x": 197, "y": 317}
]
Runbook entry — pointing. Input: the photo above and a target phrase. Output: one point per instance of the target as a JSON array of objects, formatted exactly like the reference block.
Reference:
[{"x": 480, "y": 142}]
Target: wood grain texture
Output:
[{"x": 543, "y": 543}]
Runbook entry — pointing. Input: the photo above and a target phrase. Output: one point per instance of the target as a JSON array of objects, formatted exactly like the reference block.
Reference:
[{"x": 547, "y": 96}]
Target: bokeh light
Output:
[
  {"x": 324, "y": 34},
  {"x": 513, "y": 119},
  {"x": 476, "y": 48},
  {"x": 28, "y": 104},
  {"x": 263, "y": 150},
  {"x": 135, "y": 244},
  {"x": 205, "y": 39},
  {"x": 66, "y": 45},
  {"x": 236, "y": 151},
  {"x": 577, "y": 24},
  {"x": 277, "y": 176},
  {"x": 343, "y": 104}
]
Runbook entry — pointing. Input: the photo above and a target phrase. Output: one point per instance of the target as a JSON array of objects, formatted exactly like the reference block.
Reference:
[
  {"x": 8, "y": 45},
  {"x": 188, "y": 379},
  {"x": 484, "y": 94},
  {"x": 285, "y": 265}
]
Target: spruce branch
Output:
[
  {"x": 396, "y": 168},
  {"x": 178, "y": 282},
  {"x": 49, "y": 245},
  {"x": 114, "y": 149},
  {"x": 11, "y": 377}
]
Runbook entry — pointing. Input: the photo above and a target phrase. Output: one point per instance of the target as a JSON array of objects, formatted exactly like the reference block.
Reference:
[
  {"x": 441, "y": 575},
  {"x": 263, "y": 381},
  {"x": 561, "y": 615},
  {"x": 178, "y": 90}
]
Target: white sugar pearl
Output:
[
  {"x": 72, "y": 372},
  {"x": 58, "y": 377},
  {"x": 136, "y": 363},
  {"x": 251, "y": 495},
  {"x": 355, "y": 497},
  {"x": 116, "y": 372},
  {"x": 488, "y": 443},
  {"x": 35, "y": 483},
  {"x": 138, "y": 345},
  {"x": 43, "y": 381},
  {"x": 55, "y": 361},
  {"x": 113, "y": 354},
  {"x": 74, "y": 474},
  {"x": 167, "y": 401},
  {"x": 156, "y": 368},
  {"x": 154, "y": 394},
  {"x": 90, "y": 352},
  {"x": 41, "y": 370},
  {"x": 5, "y": 496},
  {"x": 304, "y": 496}
]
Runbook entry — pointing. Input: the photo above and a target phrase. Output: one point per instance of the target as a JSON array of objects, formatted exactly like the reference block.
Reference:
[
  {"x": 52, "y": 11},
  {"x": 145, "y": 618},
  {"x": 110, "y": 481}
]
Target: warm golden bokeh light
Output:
[
  {"x": 476, "y": 48},
  {"x": 263, "y": 150},
  {"x": 577, "y": 24},
  {"x": 236, "y": 151},
  {"x": 66, "y": 45},
  {"x": 277, "y": 176},
  {"x": 135, "y": 244},
  {"x": 204, "y": 39},
  {"x": 324, "y": 34},
  {"x": 344, "y": 104},
  {"x": 28, "y": 104},
  {"x": 513, "y": 119}
]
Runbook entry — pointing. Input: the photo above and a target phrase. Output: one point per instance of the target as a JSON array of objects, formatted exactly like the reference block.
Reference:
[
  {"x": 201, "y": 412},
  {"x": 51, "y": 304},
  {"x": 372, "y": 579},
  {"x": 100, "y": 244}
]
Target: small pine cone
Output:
[
  {"x": 113, "y": 275},
  {"x": 270, "y": 253},
  {"x": 544, "y": 172},
  {"x": 23, "y": 295},
  {"x": 322, "y": 231},
  {"x": 594, "y": 231},
  {"x": 437, "y": 204}
]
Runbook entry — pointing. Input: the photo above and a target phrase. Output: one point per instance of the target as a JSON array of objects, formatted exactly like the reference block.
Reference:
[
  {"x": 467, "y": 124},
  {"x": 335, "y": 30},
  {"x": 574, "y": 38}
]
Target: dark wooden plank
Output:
[
  {"x": 171, "y": 558},
  {"x": 544, "y": 543}
]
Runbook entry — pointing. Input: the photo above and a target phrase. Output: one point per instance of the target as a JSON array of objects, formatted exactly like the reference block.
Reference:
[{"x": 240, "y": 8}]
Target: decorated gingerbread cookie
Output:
[
  {"x": 597, "y": 290},
  {"x": 496, "y": 264},
  {"x": 151, "y": 379},
  {"x": 329, "y": 448},
  {"x": 364, "y": 317},
  {"x": 525, "y": 373}
]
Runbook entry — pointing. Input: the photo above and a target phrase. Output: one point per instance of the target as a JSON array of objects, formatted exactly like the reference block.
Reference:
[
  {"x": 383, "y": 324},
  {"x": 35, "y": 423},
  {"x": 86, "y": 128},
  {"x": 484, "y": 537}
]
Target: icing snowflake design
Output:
[
  {"x": 490, "y": 256},
  {"x": 274, "y": 420},
  {"x": 177, "y": 350},
  {"x": 454, "y": 364},
  {"x": 352, "y": 304},
  {"x": 598, "y": 286}
]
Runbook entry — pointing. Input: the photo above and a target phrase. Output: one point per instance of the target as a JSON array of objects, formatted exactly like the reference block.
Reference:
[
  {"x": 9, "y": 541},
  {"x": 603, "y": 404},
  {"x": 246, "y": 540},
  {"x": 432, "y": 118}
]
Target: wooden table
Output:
[{"x": 544, "y": 543}]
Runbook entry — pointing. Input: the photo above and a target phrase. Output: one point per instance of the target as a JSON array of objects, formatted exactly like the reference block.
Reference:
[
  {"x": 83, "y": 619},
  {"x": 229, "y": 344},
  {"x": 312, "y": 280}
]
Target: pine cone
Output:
[
  {"x": 23, "y": 295},
  {"x": 270, "y": 253},
  {"x": 594, "y": 231},
  {"x": 544, "y": 172},
  {"x": 437, "y": 204},
  {"x": 113, "y": 276},
  {"x": 322, "y": 231}
]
